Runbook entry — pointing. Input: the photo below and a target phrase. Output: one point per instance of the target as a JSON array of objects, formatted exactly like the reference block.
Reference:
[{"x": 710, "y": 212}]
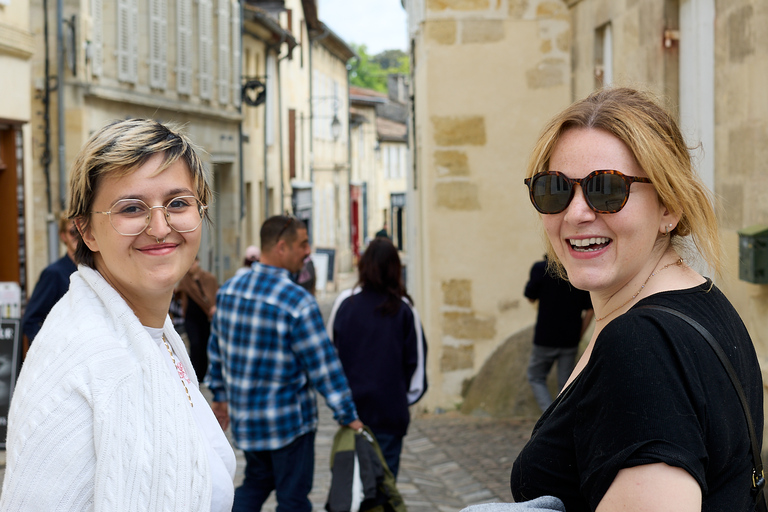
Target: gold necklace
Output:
[
  {"x": 678, "y": 263},
  {"x": 177, "y": 369}
]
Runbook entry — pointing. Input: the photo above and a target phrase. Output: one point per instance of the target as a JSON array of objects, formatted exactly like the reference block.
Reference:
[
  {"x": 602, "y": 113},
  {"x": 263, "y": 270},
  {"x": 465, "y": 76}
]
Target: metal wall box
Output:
[{"x": 753, "y": 254}]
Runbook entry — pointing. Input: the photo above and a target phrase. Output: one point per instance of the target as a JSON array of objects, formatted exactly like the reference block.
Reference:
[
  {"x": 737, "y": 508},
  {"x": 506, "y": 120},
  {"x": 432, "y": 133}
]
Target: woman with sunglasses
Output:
[
  {"x": 649, "y": 419},
  {"x": 107, "y": 414}
]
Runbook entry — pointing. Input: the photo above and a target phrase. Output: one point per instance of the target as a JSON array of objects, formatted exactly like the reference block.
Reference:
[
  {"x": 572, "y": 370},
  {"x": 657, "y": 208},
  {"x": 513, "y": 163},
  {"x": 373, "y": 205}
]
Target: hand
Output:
[
  {"x": 356, "y": 425},
  {"x": 220, "y": 410}
]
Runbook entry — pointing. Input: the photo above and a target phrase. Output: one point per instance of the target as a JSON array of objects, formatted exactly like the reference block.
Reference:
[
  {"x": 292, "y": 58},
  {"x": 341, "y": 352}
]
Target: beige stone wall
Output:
[
  {"x": 480, "y": 102},
  {"x": 741, "y": 151},
  {"x": 741, "y": 113}
]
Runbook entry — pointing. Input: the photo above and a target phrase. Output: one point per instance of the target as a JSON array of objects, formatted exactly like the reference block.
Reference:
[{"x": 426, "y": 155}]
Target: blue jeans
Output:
[
  {"x": 542, "y": 359},
  {"x": 288, "y": 470},
  {"x": 391, "y": 446}
]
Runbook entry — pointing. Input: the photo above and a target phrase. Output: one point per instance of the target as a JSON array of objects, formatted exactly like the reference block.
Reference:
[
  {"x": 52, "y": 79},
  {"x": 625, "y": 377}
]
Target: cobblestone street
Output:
[{"x": 449, "y": 461}]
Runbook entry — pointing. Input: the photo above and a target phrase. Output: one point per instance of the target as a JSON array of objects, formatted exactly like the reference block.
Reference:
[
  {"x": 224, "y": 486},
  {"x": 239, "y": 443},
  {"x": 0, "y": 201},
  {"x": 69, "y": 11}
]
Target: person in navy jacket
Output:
[
  {"x": 53, "y": 282},
  {"x": 382, "y": 347}
]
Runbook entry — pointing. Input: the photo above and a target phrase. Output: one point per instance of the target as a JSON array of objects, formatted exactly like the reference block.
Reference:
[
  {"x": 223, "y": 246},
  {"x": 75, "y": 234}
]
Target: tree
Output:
[{"x": 370, "y": 71}]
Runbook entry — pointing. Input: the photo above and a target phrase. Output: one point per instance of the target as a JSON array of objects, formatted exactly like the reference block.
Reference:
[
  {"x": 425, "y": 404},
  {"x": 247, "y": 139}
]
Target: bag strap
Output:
[{"x": 758, "y": 474}]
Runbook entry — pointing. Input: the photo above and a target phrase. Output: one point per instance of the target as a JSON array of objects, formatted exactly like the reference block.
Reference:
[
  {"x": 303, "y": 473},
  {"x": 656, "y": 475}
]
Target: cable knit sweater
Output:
[{"x": 96, "y": 421}]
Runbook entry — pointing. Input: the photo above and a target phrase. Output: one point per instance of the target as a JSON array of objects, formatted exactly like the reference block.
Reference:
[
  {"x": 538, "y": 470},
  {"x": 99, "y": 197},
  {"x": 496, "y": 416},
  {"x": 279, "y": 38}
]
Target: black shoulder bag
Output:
[{"x": 758, "y": 475}]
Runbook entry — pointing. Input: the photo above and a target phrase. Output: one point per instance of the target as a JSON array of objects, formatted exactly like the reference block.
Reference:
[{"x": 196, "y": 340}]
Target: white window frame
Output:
[
  {"x": 127, "y": 41},
  {"x": 97, "y": 38},
  {"x": 236, "y": 54},
  {"x": 205, "y": 77},
  {"x": 224, "y": 56},
  {"x": 184, "y": 46},
  {"x": 158, "y": 44}
]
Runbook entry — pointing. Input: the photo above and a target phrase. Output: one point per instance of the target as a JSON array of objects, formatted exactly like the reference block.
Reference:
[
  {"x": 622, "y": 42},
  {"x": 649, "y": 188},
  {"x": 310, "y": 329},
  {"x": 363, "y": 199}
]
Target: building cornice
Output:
[
  {"x": 119, "y": 95},
  {"x": 16, "y": 42}
]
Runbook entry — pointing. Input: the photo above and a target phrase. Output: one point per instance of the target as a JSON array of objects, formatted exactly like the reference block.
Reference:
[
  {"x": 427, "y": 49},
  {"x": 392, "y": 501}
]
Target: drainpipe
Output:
[
  {"x": 349, "y": 168},
  {"x": 267, "y": 92},
  {"x": 60, "y": 89}
]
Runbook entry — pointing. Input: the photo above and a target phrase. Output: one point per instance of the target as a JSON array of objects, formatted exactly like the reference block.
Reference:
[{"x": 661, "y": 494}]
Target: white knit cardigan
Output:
[{"x": 97, "y": 422}]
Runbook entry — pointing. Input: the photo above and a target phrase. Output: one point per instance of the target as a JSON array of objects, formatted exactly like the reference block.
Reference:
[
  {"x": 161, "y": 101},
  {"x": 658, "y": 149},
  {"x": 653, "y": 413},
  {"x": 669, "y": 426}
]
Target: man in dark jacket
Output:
[
  {"x": 564, "y": 314},
  {"x": 53, "y": 282}
]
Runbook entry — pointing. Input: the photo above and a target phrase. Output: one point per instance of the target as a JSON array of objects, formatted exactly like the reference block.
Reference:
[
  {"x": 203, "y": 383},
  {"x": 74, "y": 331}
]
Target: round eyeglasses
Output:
[
  {"x": 604, "y": 191},
  {"x": 130, "y": 217}
]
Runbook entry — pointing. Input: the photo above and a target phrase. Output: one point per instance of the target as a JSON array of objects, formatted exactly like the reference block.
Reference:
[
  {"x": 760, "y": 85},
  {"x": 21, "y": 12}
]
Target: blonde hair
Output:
[
  {"x": 655, "y": 140},
  {"x": 118, "y": 149}
]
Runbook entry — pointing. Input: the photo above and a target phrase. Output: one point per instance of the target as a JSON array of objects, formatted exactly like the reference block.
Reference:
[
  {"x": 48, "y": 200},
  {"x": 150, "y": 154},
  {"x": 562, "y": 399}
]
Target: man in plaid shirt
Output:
[{"x": 268, "y": 349}]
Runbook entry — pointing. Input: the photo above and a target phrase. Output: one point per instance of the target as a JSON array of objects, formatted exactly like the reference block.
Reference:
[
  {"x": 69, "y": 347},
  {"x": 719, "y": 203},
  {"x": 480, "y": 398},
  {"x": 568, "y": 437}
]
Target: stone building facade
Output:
[
  {"x": 479, "y": 107},
  {"x": 485, "y": 77},
  {"x": 16, "y": 51}
]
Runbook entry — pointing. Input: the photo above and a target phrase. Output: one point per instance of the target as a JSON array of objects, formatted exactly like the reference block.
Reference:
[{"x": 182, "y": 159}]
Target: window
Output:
[
  {"x": 184, "y": 47},
  {"x": 236, "y": 52},
  {"x": 603, "y": 56},
  {"x": 127, "y": 41},
  {"x": 225, "y": 78},
  {"x": 205, "y": 19},
  {"x": 97, "y": 42},
  {"x": 158, "y": 43}
]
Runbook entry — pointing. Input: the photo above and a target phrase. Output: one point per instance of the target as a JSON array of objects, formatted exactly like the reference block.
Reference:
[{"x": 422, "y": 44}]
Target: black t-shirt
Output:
[{"x": 653, "y": 391}]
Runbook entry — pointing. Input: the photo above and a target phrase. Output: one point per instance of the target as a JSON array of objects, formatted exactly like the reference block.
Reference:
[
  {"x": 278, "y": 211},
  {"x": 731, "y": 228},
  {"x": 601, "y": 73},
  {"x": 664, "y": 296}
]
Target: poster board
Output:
[{"x": 10, "y": 343}]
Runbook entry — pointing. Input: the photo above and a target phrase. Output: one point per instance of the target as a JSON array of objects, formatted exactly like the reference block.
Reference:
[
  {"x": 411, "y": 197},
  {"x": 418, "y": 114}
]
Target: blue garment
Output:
[
  {"x": 52, "y": 285},
  {"x": 288, "y": 471},
  {"x": 268, "y": 349}
]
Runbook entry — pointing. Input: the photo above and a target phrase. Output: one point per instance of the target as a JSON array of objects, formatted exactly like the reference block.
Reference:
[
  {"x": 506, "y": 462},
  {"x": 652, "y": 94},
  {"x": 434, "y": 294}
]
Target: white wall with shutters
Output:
[
  {"x": 236, "y": 53},
  {"x": 158, "y": 43},
  {"x": 224, "y": 73},
  {"x": 127, "y": 40},
  {"x": 184, "y": 46},
  {"x": 205, "y": 19},
  {"x": 97, "y": 38}
]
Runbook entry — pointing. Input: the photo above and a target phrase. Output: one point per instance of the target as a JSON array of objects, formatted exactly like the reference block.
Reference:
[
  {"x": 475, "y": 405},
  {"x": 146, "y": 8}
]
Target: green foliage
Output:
[{"x": 370, "y": 71}]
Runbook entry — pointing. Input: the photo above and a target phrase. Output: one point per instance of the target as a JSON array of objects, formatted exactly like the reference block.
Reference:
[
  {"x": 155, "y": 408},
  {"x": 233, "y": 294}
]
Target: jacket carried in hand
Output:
[{"x": 360, "y": 478}]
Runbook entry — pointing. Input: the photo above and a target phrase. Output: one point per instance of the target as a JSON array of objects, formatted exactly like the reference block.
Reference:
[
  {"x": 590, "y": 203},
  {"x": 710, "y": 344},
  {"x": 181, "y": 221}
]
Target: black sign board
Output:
[{"x": 10, "y": 342}]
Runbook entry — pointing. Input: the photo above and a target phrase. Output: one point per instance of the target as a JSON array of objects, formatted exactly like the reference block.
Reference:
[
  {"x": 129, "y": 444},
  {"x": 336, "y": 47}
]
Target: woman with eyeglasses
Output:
[
  {"x": 649, "y": 419},
  {"x": 107, "y": 413}
]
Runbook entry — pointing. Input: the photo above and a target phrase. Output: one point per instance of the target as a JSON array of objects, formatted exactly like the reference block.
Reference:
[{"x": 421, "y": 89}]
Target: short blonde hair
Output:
[
  {"x": 653, "y": 137},
  {"x": 118, "y": 149}
]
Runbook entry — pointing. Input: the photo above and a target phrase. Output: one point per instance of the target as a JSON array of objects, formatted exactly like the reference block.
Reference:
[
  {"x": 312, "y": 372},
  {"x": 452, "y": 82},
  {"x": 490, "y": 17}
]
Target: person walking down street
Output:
[
  {"x": 107, "y": 413},
  {"x": 563, "y": 316},
  {"x": 53, "y": 282},
  {"x": 650, "y": 418},
  {"x": 252, "y": 255},
  {"x": 382, "y": 347},
  {"x": 198, "y": 290},
  {"x": 269, "y": 351},
  {"x": 306, "y": 277}
]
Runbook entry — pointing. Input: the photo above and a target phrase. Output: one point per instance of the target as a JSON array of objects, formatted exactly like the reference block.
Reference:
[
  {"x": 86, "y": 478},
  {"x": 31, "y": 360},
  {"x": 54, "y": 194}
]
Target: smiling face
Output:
[
  {"x": 148, "y": 265},
  {"x": 605, "y": 252}
]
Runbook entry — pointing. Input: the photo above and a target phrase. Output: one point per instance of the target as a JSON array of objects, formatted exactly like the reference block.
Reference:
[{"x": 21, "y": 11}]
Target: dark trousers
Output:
[
  {"x": 391, "y": 445},
  {"x": 288, "y": 471}
]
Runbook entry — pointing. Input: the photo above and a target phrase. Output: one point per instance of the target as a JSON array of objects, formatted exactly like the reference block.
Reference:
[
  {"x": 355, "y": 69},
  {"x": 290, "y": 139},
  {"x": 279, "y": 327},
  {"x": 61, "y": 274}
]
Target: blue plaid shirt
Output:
[{"x": 268, "y": 349}]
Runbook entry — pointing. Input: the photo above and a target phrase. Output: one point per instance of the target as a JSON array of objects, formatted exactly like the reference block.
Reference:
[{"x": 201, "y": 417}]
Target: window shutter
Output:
[
  {"x": 184, "y": 47},
  {"x": 133, "y": 55},
  {"x": 123, "y": 40},
  {"x": 223, "y": 54},
  {"x": 236, "y": 54},
  {"x": 158, "y": 34},
  {"x": 205, "y": 8},
  {"x": 97, "y": 42}
]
